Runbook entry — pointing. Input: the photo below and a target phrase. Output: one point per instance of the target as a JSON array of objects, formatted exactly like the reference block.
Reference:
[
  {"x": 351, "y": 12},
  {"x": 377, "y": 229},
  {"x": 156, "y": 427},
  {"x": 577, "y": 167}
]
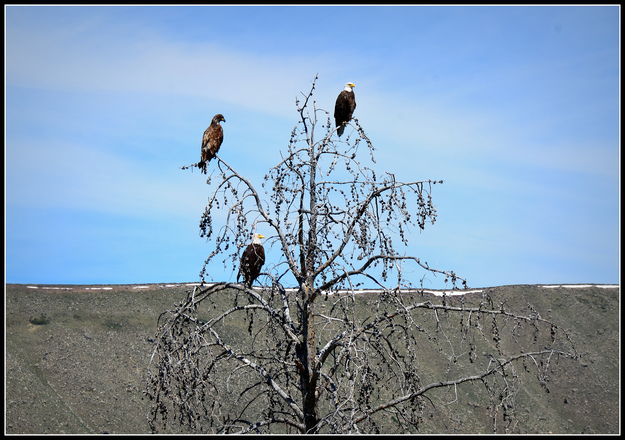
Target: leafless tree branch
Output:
[{"x": 323, "y": 356}]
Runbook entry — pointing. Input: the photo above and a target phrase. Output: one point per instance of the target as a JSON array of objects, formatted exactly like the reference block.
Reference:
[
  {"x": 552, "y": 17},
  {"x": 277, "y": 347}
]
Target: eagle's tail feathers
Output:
[{"x": 202, "y": 166}]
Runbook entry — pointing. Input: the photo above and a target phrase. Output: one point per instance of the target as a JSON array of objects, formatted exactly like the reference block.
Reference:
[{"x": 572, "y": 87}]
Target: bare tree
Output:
[{"x": 326, "y": 356}]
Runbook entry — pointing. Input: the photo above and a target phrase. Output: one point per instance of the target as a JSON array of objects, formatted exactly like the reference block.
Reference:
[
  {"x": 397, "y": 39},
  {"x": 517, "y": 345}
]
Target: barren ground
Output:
[{"x": 83, "y": 371}]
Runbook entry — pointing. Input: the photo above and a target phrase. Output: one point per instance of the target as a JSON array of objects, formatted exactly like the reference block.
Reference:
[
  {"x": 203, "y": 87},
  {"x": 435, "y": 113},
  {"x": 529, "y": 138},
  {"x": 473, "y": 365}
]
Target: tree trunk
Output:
[{"x": 306, "y": 352}]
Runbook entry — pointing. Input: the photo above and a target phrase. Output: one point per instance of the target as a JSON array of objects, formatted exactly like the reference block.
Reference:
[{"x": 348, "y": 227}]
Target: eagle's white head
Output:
[
  {"x": 349, "y": 86},
  {"x": 256, "y": 238}
]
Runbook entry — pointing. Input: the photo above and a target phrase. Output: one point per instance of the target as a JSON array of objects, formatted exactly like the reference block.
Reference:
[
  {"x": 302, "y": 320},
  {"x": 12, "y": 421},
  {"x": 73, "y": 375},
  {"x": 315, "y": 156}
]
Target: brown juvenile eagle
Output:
[
  {"x": 252, "y": 260},
  {"x": 211, "y": 141},
  {"x": 344, "y": 107}
]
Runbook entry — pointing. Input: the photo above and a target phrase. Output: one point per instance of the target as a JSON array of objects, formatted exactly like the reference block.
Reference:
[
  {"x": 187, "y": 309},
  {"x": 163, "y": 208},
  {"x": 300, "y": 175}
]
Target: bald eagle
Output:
[
  {"x": 252, "y": 260},
  {"x": 211, "y": 141},
  {"x": 344, "y": 107}
]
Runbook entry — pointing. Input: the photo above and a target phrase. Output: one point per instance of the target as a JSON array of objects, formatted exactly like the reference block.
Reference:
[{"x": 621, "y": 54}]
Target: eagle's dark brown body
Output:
[
  {"x": 252, "y": 261},
  {"x": 211, "y": 141},
  {"x": 344, "y": 109}
]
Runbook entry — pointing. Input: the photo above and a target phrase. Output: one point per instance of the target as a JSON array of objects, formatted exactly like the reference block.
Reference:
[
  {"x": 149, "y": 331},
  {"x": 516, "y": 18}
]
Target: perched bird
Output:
[
  {"x": 211, "y": 141},
  {"x": 344, "y": 107},
  {"x": 252, "y": 260}
]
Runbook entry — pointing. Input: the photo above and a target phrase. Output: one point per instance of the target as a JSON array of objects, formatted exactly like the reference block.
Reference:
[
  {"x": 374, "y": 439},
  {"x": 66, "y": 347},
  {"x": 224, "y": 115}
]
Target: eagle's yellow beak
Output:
[
  {"x": 261, "y": 236},
  {"x": 351, "y": 84}
]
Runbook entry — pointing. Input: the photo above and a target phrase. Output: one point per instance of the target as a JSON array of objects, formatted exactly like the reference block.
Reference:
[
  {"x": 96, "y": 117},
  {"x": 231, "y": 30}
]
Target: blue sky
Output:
[{"x": 516, "y": 108}]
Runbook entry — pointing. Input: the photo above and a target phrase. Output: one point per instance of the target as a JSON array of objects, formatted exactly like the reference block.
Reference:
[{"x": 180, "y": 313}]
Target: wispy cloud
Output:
[
  {"x": 428, "y": 128},
  {"x": 61, "y": 60},
  {"x": 65, "y": 175},
  {"x": 139, "y": 60}
]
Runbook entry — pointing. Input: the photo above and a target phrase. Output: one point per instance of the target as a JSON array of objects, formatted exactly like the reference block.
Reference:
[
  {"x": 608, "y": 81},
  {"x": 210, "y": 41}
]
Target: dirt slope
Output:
[{"x": 83, "y": 370}]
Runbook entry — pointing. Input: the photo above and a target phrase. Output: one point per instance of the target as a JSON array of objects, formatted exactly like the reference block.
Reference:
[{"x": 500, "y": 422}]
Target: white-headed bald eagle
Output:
[
  {"x": 344, "y": 107},
  {"x": 252, "y": 260},
  {"x": 211, "y": 141}
]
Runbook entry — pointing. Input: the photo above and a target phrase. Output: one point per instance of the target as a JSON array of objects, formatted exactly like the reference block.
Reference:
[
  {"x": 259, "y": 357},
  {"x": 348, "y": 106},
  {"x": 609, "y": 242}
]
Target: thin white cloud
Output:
[
  {"x": 65, "y": 175},
  {"x": 451, "y": 133},
  {"x": 139, "y": 60},
  {"x": 59, "y": 60}
]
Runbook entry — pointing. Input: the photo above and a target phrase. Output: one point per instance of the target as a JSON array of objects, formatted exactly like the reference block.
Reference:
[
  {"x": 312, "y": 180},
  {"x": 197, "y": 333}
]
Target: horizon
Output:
[{"x": 191, "y": 283}]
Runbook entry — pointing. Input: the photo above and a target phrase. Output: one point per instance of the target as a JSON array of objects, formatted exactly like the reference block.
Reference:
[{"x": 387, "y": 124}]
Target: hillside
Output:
[{"x": 76, "y": 358}]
